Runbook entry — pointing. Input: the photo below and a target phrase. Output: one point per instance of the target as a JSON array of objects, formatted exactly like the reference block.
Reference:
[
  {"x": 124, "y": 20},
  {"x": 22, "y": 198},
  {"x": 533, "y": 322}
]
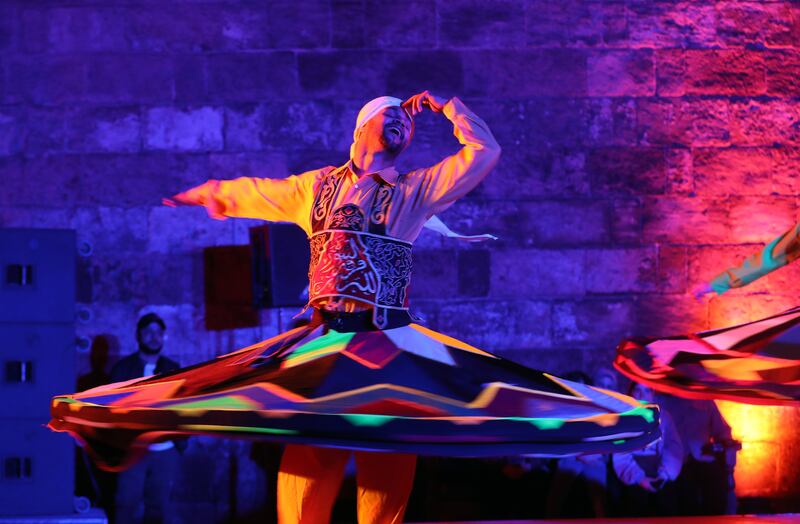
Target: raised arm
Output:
[
  {"x": 776, "y": 254},
  {"x": 277, "y": 200},
  {"x": 440, "y": 185}
]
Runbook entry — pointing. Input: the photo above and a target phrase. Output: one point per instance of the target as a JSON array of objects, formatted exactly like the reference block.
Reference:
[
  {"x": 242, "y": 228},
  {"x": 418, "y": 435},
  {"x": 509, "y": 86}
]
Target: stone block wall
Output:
[{"x": 647, "y": 145}]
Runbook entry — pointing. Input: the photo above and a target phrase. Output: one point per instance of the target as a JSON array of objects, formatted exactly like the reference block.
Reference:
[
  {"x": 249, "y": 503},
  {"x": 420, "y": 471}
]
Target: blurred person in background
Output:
[
  {"x": 706, "y": 483},
  {"x": 648, "y": 475},
  {"x": 589, "y": 470}
]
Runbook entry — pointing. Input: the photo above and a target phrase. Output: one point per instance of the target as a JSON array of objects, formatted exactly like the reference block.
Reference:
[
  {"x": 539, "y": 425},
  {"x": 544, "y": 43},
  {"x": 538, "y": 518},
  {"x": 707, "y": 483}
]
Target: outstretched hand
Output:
[
  {"x": 701, "y": 290},
  {"x": 198, "y": 196},
  {"x": 177, "y": 200},
  {"x": 420, "y": 101}
]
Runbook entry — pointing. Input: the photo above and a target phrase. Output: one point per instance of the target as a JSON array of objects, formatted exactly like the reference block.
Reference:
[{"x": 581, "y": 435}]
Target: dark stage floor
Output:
[{"x": 726, "y": 519}]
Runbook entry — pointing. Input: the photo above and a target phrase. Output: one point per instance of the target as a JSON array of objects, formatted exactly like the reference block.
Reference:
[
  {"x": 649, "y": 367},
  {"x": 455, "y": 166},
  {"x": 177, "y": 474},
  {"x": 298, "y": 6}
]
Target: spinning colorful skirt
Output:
[
  {"x": 366, "y": 380},
  {"x": 404, "y": 389},
  {"x": 754, "y": 363}
]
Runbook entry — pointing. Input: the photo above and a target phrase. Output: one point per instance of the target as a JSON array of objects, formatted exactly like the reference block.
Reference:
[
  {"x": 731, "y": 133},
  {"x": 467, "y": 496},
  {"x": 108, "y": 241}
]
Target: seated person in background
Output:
[
  {"x": 150, "y": 481},
  {"x": 706, "y": 483},
  {"x": 593, "y": 469},
  {"x": 648, "y": 474},
  {"x": 606, "y": 378}
]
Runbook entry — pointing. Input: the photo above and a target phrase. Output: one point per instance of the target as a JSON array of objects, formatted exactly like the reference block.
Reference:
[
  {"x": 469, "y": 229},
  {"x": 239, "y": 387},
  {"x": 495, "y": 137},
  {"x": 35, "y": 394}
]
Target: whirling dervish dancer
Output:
[
  {"x": 362, "y": 376},
  {"x": 756, "y": 362}
]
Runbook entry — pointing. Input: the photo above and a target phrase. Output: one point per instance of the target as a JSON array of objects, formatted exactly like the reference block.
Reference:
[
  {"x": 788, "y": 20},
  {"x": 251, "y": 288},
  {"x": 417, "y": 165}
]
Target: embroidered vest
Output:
[{"x": 351, "y": 255}]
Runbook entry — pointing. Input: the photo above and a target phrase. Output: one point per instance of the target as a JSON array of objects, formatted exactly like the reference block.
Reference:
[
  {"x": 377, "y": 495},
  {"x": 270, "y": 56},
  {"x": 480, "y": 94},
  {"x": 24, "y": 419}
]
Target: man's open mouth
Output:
[{"x": 396, "y": 131}]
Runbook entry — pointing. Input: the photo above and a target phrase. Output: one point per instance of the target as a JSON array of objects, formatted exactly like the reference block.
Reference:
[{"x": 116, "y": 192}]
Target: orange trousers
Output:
[{"x": 310, "y": 477}]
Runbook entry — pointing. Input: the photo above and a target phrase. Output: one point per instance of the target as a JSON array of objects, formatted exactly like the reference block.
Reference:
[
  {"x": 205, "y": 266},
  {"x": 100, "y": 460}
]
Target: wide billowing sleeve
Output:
[
  {"x": 776, "y": 254},
  {"x": 274, "y": 199},
  {"x": 438, "y": 186}
]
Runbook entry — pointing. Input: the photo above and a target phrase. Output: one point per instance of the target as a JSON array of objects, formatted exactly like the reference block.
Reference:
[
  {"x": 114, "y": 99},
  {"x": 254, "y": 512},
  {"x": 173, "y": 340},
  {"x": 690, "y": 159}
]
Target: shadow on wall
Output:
[
  {"x": 90, "y": 481},
  {"x": 103, "y": 346}
]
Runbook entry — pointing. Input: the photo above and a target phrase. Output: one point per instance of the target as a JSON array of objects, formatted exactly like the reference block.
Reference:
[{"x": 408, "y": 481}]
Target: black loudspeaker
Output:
[
  {"x": 280, "y": 265},
  {"x": 37, "y": 268},
  {"x": 229, "y": 287},
  {"x": 37, "y": 362},
  {"x": 36, "y": 469}
]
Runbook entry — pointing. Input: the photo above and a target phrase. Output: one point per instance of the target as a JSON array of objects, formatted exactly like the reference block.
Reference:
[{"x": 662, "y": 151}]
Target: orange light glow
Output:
[
  {"x": 767, "y": 446},
  {"x": 768, "y": 463}
]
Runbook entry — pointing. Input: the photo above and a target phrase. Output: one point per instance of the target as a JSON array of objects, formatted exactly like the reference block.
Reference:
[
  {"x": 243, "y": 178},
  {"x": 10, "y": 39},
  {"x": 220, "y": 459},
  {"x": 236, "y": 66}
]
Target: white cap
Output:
[{"x": 372, "y": 108}]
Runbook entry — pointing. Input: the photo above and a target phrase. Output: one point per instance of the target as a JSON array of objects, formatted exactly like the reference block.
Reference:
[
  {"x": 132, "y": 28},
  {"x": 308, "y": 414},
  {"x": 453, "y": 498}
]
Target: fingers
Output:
[
  {"x": 212, "y": 208},
  {"x": 701, "y": 290},
  {"x": 182, "y": 199},
  {"x": 199, "y": 196},
  {"x": 196, "y": 196},
  {"x": 424, "y": 100},
  {"x": 418, "y": 102},
  {"x": 408, "y": 105},
  {"x": 415, "y": 104}
]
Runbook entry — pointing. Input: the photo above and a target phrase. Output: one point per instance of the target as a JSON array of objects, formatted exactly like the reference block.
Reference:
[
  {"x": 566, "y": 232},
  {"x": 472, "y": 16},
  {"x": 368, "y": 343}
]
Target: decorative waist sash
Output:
[{"x": 367, "y": 267}]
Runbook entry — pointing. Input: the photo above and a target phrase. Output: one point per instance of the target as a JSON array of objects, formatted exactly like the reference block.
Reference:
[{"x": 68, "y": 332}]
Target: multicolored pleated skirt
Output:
[
  {"x": 407, "y": 389},
  {"x": 754, "y": 363}
]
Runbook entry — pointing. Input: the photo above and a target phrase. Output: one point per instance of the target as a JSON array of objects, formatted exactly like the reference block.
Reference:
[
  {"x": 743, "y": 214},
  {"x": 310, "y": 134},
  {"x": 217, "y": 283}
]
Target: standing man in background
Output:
[{"x": 148, "y": 483}]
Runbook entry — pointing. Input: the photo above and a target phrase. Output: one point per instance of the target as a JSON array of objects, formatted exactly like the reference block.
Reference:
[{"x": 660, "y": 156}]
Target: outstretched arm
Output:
[
  {"x": 278, "y": 200},
  {"x": 440, "y": 185},
  {"x": 776, "y": 254}
]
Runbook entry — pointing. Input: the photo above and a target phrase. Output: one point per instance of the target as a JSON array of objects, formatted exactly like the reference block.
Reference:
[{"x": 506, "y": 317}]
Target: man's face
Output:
[
  {"x": 151, "y": 338},
  {"x": 644, "y": 393},
  {"x": 605, "y": 380},
  {"x": 389, "y": 130}
]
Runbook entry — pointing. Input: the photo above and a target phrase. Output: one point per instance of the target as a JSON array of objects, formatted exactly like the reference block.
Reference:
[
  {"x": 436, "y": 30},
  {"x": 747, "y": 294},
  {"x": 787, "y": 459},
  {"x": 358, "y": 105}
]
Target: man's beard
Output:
[
  {"x": 392, "y": 144},
  {"x": 147, "y": 350}
]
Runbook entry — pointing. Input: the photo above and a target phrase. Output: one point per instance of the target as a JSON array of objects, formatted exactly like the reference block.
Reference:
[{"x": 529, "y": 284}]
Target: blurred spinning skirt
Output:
[
  {"x": 755, "y": 363},
  {"x": 406, "y": 389}
]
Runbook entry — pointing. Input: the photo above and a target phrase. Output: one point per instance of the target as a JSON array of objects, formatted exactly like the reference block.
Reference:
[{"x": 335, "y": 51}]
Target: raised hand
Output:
[{"x": 420, "y": 101}]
